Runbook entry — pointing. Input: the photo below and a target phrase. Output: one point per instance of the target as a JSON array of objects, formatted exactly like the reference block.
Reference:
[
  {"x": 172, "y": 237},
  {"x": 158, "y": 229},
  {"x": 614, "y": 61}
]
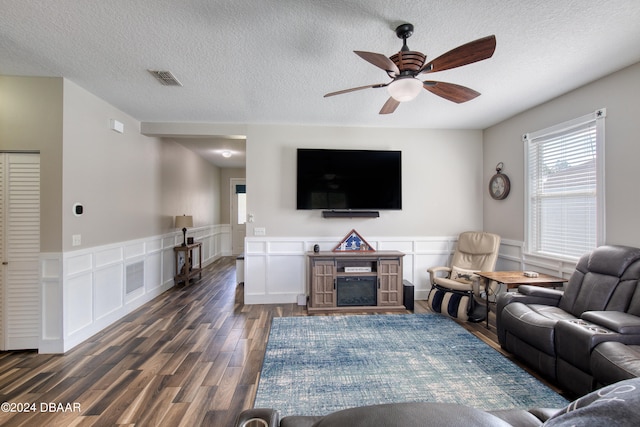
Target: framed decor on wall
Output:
[{"x": 353, "y": 242}]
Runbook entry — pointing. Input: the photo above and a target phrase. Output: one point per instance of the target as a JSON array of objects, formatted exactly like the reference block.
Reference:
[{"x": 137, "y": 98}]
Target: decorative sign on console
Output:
[{"x": 353, "y": 242}]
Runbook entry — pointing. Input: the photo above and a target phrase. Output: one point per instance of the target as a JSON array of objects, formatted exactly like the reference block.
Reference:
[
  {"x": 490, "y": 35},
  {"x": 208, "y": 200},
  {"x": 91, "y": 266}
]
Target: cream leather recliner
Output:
[{"x": 453, "y": 288}]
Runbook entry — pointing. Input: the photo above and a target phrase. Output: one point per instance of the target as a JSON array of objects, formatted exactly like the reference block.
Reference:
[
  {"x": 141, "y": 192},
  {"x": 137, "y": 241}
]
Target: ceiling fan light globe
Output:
[{"x": 404, "y": 89}]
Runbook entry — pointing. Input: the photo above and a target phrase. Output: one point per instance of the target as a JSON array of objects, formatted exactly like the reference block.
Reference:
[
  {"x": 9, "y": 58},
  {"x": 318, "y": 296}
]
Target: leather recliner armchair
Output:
[
  {"x": 556, "y": 331},
  {"x": 453, "y": 288}
]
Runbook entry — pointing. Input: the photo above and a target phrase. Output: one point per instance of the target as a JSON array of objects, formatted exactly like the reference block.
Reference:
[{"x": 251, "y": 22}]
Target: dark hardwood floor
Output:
[{"x": 190, "y": 357}]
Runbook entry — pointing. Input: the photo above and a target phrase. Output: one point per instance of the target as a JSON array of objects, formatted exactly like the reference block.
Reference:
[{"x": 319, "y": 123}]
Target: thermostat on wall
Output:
[{"x": 78, "y": 209}]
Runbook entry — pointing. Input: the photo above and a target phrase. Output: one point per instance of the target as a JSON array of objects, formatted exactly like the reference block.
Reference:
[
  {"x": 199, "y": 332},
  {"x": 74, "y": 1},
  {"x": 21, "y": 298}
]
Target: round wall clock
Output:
[{"x": 499, "y": 184}]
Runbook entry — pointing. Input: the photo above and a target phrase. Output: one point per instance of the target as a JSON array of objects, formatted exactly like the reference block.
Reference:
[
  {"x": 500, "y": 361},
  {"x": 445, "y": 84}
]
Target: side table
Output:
[
  {"x": 187, "y": 270},
  {"x": 513, "y": 279}
]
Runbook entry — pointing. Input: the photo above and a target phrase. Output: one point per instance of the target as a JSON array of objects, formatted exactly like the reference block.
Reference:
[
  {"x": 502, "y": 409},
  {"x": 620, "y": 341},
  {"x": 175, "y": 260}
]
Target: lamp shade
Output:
[
  {"x": 184, "y": 221},
  {"x": 404, "y": 89}
]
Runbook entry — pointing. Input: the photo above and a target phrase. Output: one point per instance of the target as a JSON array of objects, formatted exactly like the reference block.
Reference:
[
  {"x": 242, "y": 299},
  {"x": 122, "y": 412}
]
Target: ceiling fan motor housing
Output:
[{"x": 410, "y": 61}]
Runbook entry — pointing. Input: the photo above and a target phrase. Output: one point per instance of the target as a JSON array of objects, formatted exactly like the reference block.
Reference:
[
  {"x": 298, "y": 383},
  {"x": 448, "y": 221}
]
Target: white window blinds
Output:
[{"x": 564, "y": 183}]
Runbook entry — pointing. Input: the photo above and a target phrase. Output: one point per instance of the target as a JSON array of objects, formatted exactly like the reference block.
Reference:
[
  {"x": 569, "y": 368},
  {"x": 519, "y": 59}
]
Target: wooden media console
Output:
[{"x": 353, "y": 280}]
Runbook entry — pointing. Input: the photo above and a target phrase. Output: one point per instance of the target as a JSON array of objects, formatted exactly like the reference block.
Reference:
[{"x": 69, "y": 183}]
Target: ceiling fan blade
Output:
[
  {"x": 353, "y": 89},
  {"x": 450, "y": 91},
  {"x": 380, "y": 61},
  {"x": 469, "y": 53},
  {"x": 389, "y": 106}
]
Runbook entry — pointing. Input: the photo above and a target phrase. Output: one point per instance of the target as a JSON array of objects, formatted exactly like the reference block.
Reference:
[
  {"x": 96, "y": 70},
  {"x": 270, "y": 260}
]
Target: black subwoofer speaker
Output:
[{"x": 407, "y": 290}]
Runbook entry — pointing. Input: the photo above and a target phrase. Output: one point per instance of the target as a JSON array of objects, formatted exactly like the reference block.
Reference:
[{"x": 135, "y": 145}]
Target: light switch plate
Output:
[{"x": 259, "y": 231}]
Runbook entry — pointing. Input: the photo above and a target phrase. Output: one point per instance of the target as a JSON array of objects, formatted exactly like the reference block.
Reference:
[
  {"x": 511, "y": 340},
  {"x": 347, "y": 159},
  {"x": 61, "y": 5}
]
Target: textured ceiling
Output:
[{"x": 271, "y": 61}]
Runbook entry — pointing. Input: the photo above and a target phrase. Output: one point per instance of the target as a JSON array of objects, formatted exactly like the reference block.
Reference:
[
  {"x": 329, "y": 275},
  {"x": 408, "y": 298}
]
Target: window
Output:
[
  {"x": 241, "y": 201},
  {"x": 564, "y": 182}
]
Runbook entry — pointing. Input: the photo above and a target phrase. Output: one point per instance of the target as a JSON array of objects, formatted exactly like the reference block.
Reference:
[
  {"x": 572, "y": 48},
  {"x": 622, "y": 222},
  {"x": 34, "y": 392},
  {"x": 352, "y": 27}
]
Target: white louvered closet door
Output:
[{"x": 19, "y": 250}]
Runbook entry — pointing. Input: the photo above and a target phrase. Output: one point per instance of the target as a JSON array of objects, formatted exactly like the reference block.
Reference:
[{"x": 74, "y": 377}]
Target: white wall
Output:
[
  {"x": 619, "y": 93},
  {"x": 442, "y": 196}
]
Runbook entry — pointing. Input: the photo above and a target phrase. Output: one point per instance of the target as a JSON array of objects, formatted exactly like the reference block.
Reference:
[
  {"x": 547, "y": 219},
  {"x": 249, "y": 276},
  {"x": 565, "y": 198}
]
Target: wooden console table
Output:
[
  {"x": 186, "y": 271},
  {"x": 356, "y": 281},
  {"x": 513, "y": 279}
]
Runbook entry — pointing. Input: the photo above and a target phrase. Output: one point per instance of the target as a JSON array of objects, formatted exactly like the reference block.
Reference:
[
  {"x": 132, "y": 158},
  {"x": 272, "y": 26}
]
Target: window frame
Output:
[{"x": 529, "y": 139}]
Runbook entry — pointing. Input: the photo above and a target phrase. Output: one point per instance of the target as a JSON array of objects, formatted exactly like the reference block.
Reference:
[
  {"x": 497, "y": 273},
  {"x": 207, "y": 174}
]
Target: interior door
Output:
[
  {"x": 19, "y": 250},
  {"x": 238, "y": 214}
]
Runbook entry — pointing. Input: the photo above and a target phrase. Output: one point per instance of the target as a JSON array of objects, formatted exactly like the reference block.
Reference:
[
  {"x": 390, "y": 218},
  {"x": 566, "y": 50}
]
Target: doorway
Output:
[
  {"x": 238, "y": 214},
  {"x": 19, "y": 250}
]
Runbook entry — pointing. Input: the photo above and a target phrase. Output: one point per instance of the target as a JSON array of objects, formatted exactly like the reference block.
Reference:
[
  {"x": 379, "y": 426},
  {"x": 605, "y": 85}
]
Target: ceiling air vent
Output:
[{"x": 165, "y": 78}]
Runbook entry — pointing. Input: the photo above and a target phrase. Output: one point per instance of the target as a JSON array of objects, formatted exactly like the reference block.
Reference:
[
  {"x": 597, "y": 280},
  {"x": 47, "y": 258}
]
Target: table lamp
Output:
[{"x": 183, "y": 222}]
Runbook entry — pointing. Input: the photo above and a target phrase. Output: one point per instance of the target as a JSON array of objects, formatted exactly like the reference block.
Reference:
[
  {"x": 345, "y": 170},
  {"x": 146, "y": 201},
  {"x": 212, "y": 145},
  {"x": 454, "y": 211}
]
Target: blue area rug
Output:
[{"x": 318, "y": 365}]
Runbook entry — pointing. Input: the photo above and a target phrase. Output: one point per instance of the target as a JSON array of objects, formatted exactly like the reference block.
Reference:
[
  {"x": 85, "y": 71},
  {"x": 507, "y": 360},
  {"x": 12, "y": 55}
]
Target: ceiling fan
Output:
[{"x": 406, "y": 65}]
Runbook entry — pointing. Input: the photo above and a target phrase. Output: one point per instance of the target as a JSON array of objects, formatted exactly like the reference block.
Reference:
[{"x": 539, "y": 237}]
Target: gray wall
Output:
[
  {"x": 131, "y": 185},
  {"x": 31, "y": 119},
  {"x": 619, "y": 93},
  {"x": 441, "y": 177}
]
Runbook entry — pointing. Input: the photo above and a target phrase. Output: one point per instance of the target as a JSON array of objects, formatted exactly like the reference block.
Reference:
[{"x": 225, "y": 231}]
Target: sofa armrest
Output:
[
  {"x": 533, "y": 295},
  {"x": 617, "y": 321},
  {"x": 537, "y": 291},
  {"x": 257, "y": 417},
  {"x": 529, "y": 295},
  {"x": 576, "y": 338}
]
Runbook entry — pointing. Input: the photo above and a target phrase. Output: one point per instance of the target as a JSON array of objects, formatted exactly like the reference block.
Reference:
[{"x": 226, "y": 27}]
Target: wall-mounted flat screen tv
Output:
[{"x": 349, "y": 179}]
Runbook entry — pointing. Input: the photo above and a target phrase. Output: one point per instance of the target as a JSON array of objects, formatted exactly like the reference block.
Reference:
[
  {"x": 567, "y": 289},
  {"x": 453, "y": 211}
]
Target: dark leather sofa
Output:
[
  {"x": 585, "y": 336},
  {"x": 617, "y": 405}
]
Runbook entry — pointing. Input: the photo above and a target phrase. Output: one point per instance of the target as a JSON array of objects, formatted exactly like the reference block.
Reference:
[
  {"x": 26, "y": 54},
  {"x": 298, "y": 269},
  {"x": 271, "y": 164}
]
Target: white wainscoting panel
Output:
[
  {"x": 108, "y": 256},
  {"x": 255, "y": 290},
  {"x": 83, "y": 291},
  {"x": 135, "y": 249},
  {"x": 78, "y": 302},
  {"x": 275, "y": 269},
  {"x": 153, "y": 270},
  {"x": 79, "y": 264},
  {"x": 51, "y": 311},
  {"x": 153, "y": 245},
  {"x": 286, "y": 274},
  {"x": 405, "y": 246},
  {"x": 513, "y": 257},
  {"x": 51, "y": 296},
  {"x": 109, "y": 290}
]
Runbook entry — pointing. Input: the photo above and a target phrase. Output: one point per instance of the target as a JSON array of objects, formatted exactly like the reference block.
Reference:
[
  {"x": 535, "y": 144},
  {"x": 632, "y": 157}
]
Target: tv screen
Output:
[{"x": 349, "y": 179}]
